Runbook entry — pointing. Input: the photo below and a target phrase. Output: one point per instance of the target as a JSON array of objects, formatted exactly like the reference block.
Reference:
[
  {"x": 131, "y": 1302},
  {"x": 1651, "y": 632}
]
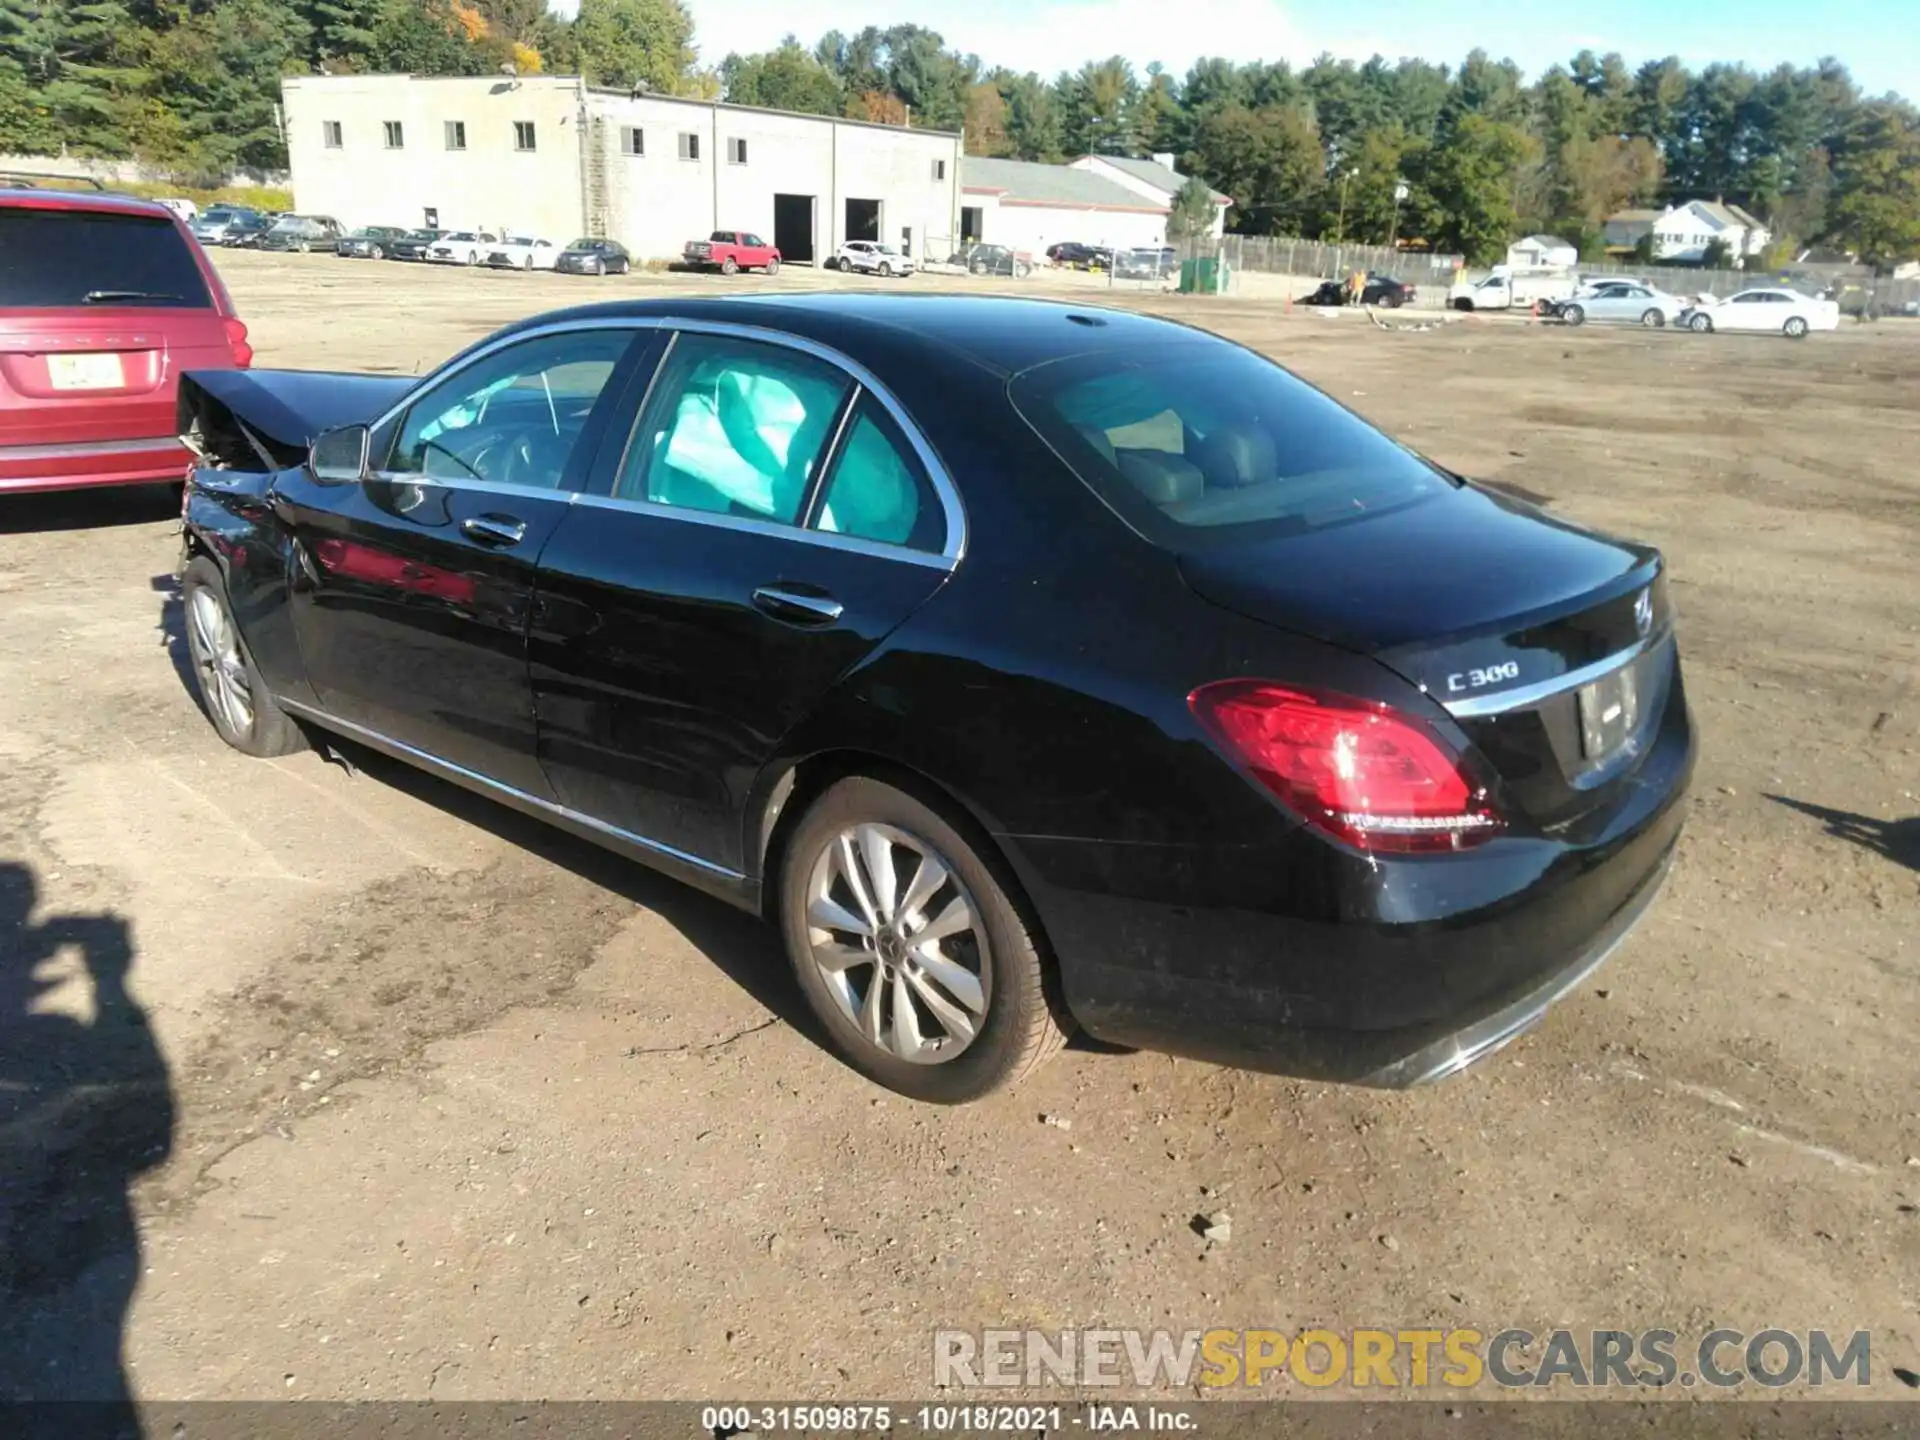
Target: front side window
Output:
[
  {"x": 734, "y": 427},
  {"x": 1196, "y": 441},
  {"x": 633, "y": 140},
  {"x": 878, "y": 489},
  {"x": 330, "y": 134},
  {"x": 396, "y": 136},
  {"x": 512, "y": 417},
  {"x": 456, "y": 134},
  {"x": 736, "y": 151},
  {"x": 523, "y": 138},
  {"x": 689, "y": 145}
]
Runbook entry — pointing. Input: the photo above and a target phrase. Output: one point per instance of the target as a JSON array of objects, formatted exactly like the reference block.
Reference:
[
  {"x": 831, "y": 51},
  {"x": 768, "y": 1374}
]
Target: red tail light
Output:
[
  {"x": 237, "y": 342},
  {"x": 1356, "y": 769}
]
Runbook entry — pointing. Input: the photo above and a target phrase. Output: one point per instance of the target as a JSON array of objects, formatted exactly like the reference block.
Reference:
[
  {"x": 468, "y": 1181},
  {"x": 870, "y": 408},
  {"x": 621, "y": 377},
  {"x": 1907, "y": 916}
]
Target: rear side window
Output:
[
  {"x": 878, "y": 490},
  {"x": 55, "y": 258},
  {"x": 733, "y": 428},
  {"x": 1194, "y": 443}
]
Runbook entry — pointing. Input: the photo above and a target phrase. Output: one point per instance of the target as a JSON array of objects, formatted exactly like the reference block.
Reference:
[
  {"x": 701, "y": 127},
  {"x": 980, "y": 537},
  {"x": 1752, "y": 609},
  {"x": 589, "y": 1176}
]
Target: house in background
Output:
[
  {"x": 1028, "y": 206},
  {"x": 1152, "y": 179},
  {"x": 1542, "y": 252},
  {"x": 1683, "y": 232}
]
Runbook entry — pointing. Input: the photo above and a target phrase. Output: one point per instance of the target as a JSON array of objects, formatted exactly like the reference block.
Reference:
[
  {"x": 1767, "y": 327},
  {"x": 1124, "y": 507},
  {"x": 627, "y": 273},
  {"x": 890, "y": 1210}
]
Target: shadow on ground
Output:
[
  {"x": 1897, "y": 840},
  {"x": 89, "y": 509},
  {"x": 86, "y": 1106}
]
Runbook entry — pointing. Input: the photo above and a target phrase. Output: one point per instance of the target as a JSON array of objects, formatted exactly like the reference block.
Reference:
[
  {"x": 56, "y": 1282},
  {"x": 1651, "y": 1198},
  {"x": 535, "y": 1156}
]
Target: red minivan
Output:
[{"x": 104, "y": 301}]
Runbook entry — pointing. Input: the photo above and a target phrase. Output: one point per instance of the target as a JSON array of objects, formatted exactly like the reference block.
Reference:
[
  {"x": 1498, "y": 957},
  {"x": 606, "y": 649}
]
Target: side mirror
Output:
[{"x": 339, "y": 457}]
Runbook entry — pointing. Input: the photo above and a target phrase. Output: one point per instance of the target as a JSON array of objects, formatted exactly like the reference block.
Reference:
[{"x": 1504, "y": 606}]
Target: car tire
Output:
[
  {"x": 473, "y": 257},
  {"x": 1701, "y": 325},
  {"x": 1021, "y": 270},
  {"x": 979, "y": 267},
  {"x": 1653, "y": 319},
  {"x": 885, "y": 269},
  {"x": 1388, "y": 301},
  {"x": 231, "y": 691},
  {"x": 1463, "y": 305},
  {"x": 773, "y": 266},
  {"x": 625, "y": 267},
  {"x": 729, "y": 266},
  {"x": 376, "y": 253},
  {"x": 1574, "y": 315},
  {"x": 1795, "y": 328},
  {"x": 991, "y": 973}
]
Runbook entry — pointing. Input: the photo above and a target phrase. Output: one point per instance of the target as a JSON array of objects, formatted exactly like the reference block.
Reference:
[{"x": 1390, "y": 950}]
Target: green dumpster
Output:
[{"x": 1204, "y": 275}]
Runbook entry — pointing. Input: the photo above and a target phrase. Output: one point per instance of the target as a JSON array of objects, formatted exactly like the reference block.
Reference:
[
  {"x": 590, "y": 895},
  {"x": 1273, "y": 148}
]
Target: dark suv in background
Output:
[{"x": 104, "y": 301}]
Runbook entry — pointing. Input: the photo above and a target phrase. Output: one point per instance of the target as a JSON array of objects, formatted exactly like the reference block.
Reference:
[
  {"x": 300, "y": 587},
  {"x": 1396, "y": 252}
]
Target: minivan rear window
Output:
[
  {"x": 51, "y": 259},
  {"x": 1195, "y": 443}
]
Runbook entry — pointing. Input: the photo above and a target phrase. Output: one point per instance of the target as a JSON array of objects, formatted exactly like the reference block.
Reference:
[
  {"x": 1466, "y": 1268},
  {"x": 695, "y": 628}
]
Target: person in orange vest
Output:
[{"x": 1356, "y": 287}]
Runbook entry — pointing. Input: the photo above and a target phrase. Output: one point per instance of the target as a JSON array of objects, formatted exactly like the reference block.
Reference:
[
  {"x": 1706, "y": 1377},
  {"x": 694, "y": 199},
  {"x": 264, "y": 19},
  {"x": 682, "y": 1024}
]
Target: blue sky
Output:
[{"x": 1878, "y": 39}]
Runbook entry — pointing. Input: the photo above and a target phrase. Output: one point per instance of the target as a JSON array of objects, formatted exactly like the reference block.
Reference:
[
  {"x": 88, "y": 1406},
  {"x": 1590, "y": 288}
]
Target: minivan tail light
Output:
[
  {"x": 237, "y": 341},
  {"x": 1358, "y": 770}
]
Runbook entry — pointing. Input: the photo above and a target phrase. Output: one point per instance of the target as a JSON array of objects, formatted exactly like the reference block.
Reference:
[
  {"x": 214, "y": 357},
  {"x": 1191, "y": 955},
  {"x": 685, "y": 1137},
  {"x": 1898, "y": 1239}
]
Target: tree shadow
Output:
[
  {"x": 1898, "y": 840},
  {"x": 86, "y": 1107},
  {"x": 88, "y": 508}
]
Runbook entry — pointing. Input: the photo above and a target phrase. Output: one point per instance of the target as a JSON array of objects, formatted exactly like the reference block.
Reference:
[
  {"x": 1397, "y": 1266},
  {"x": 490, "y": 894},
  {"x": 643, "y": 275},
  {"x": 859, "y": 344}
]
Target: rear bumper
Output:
[
  {"x": 1302, "y": 959},
  {"x": 26, "y": 468}
]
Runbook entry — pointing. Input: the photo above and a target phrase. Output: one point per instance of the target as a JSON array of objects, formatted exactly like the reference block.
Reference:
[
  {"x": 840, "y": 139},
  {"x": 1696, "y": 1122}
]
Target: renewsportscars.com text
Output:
[{"x": 1456, "y": 1359}]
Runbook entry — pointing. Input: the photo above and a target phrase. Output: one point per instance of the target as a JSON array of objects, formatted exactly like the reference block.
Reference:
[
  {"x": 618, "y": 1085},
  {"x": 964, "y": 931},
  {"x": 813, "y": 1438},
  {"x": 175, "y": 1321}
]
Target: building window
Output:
[
  {"x": 939, "y": 169},
  {"x": 330, "y": 134},
  {"x": 456, "y": 134},
  {"x": 396, "y": 138},
  {"x": 689, "y": 145},
  {"x": 523, "y": 135},
  {"x": 736, "y": 151},
  {"x": 633, "y": 140}
]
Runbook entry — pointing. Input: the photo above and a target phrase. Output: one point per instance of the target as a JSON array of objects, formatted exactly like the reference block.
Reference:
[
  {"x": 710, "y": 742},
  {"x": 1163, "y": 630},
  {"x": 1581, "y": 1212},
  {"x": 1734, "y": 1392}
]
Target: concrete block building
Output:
[{"x": 553, "y": 156}]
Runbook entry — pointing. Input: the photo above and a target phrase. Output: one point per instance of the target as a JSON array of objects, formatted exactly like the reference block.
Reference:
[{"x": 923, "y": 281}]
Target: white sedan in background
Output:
[
  {"x": 871, "y": 257},
  {"x": 462, "y": 247},
  {"x": 1766, "y": 309},
  {"x": 1624, "y": 302},
  {"x": 523, "y": 252}
]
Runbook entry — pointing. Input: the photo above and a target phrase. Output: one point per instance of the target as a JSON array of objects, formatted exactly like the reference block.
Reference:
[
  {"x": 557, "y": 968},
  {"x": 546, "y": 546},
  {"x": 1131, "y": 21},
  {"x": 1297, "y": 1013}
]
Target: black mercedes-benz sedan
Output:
[{"x": 1027, "y": 665}]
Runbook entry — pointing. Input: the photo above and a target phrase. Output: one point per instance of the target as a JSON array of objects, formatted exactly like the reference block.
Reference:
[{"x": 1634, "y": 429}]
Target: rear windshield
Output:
[
  {"x": 54, "y": 258},
  {"x": 1198, "y": 443}
]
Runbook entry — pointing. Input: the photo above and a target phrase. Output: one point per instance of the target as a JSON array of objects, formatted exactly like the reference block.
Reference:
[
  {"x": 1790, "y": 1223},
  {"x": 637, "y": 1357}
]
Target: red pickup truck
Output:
[{"x": 731, "y": 251}]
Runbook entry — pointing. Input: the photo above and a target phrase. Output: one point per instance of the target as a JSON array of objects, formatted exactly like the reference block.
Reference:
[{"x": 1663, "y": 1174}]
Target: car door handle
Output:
[
  {"x": 500, "y": 531},
  {"x": 796, "y": 607}
]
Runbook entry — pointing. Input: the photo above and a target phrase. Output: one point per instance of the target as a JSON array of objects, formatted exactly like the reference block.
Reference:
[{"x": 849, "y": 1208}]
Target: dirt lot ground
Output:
[{"x": 444, "y": 1104}]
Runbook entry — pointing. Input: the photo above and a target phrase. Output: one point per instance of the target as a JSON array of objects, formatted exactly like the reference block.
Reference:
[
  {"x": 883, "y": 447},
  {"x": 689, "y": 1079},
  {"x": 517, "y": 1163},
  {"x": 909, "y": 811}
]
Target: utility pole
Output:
[
  {"x": 1340, "y": 226},
  {"x": 1399, "y": 194}
]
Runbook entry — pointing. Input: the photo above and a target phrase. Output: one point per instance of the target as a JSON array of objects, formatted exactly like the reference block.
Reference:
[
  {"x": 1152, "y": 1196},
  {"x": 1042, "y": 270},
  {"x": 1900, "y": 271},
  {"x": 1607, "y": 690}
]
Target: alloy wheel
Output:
[
  {"x": 216, "y": 653},
  {"x": 899, "y": 943}
]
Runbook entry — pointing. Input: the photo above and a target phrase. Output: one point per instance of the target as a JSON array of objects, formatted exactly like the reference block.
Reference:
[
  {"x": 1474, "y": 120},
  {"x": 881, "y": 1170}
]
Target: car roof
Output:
[
  {"x": 1003, "y": 333},
  {"x": 25, "y": 198}
]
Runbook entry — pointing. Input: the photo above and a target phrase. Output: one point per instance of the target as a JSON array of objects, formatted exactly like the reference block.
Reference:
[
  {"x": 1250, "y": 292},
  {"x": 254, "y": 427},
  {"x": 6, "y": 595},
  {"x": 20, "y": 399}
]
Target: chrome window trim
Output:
[
  {"x": 1469, "y": 707},
  {"x": 951, "y": 553},
  {"x": 434, "y": 762},
  {"x": 825, "y": 539}
]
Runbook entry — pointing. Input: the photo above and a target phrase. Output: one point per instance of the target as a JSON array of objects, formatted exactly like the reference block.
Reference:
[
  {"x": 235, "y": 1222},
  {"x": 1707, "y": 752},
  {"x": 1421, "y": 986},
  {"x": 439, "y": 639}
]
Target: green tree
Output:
[
  {"x": 1270, "y": 161},
  {"x": 72, "y": 68},
  {"x": 625, "y": 42},
  {"x": 342, "y": 29},
  {"x": 1100, "y": 103},
  {"x": 1192, "y": 212},
  {"x": 1034, "y": 127},
  {"x": 1876, "y": 174},
  {"x": 218, "y": 72},
  {"x": 1158, "y": 113},
  {"x": 788, "y": 78},
  {"x": 1471, "y": 179}
]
